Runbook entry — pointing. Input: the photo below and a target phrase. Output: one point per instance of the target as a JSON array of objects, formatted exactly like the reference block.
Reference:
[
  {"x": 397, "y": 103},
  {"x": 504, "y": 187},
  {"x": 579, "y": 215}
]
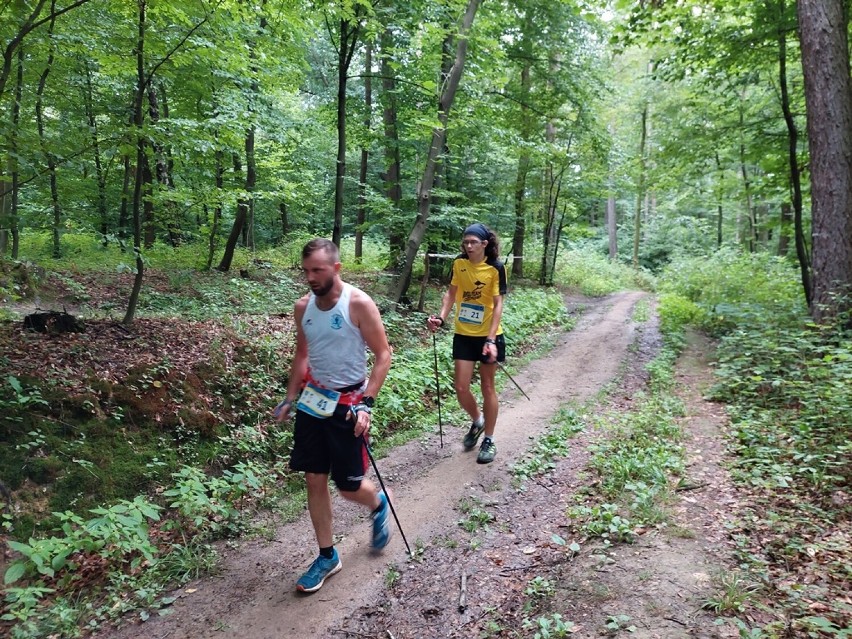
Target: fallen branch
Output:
[
  {"x": 353, "y": 633},
  {"x": 676, "y": 621},
  {"x": 463, "y": 594}
]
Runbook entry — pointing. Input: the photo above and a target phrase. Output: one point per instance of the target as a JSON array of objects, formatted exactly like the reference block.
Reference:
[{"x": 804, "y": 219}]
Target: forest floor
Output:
[{"x": 654, "y": 587}]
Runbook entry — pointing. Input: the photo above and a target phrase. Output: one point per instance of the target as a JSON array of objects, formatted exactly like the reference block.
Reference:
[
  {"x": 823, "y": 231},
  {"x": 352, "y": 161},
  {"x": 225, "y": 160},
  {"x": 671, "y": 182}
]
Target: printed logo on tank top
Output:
[
  {"x": 476, "y": 293},
  {"x": 337, "y": 321}
]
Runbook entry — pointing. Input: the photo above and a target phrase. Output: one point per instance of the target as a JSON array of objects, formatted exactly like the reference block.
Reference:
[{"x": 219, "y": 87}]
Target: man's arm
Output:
[{"x": 366, "y": 316}]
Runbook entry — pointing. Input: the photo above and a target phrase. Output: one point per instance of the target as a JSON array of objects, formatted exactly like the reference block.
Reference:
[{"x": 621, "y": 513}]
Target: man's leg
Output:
[
  {"x": 366, "y": 495},
  {"x": 319, "y": 506},
  {"x": 377, "y": 502}
]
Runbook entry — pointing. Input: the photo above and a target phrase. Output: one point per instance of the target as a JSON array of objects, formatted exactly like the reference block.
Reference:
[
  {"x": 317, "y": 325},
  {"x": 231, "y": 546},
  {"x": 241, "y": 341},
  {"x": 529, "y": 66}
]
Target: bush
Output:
[{"x": 734, "y": 289}]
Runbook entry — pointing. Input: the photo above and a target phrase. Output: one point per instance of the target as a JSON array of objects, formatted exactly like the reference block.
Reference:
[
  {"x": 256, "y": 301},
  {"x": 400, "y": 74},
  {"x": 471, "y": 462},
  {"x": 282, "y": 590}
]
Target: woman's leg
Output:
[
  {"x": 490, "y": 405},
  {"x": 463, "y": 375}
]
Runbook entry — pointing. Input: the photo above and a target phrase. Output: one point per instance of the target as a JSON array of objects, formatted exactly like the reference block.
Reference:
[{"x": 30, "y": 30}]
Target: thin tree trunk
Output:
[
  {"x": 793, "y": 162},
  {"x": 163, "y": 162},
  {"x": 424, "y": 195},
  {"x": 217, "y": 210},
  {"x": 123, "y": 212},
  {"x": 16, "y": 174},
  {"x": 393, "y": 171},
  {"x": 719, "y": 217},
  {"x": 138, "y": 121},
  {"x": 640, "y": 192},
  {"x": 100, "y": 176},
  {"x": 612, "y": 228},
  {"x": 365, "y": 153},
  {"x": 45, "y": 146},
  {"x": 523, "y": 165},
  {"x": 784, "y": 229},
  {"x": 245, "y": 205},
  {"x": 348, "y": 41},
  {"x": 749, "y": 210}
]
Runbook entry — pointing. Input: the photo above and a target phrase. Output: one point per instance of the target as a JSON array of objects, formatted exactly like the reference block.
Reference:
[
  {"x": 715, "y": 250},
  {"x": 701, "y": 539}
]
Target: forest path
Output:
[{"x": 253, "y": 595}]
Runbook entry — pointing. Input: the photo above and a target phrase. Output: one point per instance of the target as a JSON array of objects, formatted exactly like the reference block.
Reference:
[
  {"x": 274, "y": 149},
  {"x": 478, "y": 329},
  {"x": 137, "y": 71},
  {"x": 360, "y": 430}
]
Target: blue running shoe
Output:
[
  {"x": 381, "y": 529},
  {"x": 319, "y": 571}
]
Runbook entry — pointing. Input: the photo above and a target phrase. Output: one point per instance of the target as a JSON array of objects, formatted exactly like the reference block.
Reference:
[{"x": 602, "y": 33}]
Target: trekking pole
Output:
[
  {"x": 387, "y": 495},
  {"x": 438, "y": 387},
  {"x": 503, "y": 368}
]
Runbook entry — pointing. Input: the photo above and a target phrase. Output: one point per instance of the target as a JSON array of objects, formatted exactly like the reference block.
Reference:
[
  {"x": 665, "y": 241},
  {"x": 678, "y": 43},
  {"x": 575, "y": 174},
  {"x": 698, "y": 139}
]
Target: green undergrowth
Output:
[
  {"x": 788, "y": 386},
  {"x": 640, "y": 461},
  {"x": 113, "y": 505},
  {"x": 637, "y": 466}
]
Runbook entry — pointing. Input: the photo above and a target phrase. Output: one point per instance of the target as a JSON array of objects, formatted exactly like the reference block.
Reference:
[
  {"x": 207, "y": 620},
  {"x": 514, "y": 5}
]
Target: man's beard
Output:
[{"x": 323, "y": 289}]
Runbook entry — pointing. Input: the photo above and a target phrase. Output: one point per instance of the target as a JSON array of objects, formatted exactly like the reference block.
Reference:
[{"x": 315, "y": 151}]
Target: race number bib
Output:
[
  {"x": 471, "y": 313},
  {"x": 319, "y": 402}
]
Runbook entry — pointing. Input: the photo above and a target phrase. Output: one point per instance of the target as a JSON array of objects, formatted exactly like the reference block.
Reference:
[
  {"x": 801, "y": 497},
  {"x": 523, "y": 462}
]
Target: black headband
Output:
[{"x": 478, "y": 230}]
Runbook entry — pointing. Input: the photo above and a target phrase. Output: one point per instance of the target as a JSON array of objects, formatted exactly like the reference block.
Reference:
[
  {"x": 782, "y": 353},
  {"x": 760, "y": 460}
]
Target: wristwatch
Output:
[{"x": 368, "y": 401}]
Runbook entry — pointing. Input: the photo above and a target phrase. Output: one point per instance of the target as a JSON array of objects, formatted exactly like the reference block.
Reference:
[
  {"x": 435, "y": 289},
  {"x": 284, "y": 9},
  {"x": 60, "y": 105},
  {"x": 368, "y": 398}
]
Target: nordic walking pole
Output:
[
  {"x": 503, "y": 368},
  {"x": 438, "y": 388},
  {"x": 387, "y": 495}
]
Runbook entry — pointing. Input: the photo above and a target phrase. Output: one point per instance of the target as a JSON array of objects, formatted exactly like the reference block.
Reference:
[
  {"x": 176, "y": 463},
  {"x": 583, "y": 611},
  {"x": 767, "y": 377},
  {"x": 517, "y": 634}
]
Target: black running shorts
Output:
[
  {"x": 469, "y": 347},
  {"x": 329, "y": 446}
]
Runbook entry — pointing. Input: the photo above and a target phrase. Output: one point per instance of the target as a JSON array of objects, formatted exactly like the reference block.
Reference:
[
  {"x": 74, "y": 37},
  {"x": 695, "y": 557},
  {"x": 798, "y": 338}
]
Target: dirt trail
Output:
[{"x": 253, "y": 595}]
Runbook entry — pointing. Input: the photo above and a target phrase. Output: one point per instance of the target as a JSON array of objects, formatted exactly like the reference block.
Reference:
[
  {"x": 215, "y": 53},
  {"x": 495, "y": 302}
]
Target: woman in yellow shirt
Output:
[{"x": 476, "y": 290}]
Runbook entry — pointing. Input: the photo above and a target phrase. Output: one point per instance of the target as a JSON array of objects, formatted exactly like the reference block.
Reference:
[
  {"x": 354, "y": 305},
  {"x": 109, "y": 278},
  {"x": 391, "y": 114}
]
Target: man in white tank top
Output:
[{"x": 332, "y": 396}]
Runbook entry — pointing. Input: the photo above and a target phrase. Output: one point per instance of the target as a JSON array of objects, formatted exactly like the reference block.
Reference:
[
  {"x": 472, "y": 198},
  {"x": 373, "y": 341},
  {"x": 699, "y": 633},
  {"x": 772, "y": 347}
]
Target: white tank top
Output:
[{"x": 337, "y": 352}]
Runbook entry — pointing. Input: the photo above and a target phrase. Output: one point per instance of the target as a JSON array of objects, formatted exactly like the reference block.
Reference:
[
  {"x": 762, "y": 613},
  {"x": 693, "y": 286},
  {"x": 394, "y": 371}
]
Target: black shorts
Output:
[
  {"x": 469, "y": 348},
  {"x": 329, "y": 446}
]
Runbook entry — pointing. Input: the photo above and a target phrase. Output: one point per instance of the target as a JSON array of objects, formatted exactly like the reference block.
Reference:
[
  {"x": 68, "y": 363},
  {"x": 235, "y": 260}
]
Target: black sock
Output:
[{"x": 328, "y": 553}]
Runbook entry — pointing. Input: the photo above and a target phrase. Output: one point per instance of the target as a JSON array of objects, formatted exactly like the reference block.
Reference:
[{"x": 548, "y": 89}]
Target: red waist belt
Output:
[{"x": 349, "y": 395}]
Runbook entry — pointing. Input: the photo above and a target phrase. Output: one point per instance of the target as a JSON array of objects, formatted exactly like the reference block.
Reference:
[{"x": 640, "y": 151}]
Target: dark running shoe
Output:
[
  {"x": 319, "y": 571},
  {"x": 473, "y": 434},
  {"x": 381, "y": 527},
  {"x": 487, "y": 452}
]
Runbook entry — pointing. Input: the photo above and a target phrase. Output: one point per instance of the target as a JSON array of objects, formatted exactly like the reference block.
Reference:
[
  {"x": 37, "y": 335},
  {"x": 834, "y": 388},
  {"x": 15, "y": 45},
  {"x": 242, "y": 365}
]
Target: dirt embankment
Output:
[{"x": 658, "y": 583}]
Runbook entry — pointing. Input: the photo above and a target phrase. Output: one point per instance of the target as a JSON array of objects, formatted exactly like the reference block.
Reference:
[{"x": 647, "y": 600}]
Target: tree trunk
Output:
[
  {"x": 393, "y": 170},
  {"x": 50, "y": 158},
  {"x": 123, "y": 213},
  {"x": 719, "y": 216},
  {"x": 828, "y": 97},
  {"x": 793, "y": 161},
  {"x": 245, "y": 205},
  {"x": 217, "y": 210},
  {"x": 545, "y": 278},
  {"x": 424, "y": 195},
  {"x": 523, "y": 164},
  {"x": 365, "y": 153},
  {"x": 612, "y": 228},
  {"x": 784, "y": 229},
  {"x": 138, "y": 121},
  {"x": 163, "y": 162},
  {"x": 100, "y": 176},
  {"x": 346, "y": 49},
  {"x": 11, "y": 192},
  {"x": 640, "y": 190},
  {"x": 749, "y": 206}
]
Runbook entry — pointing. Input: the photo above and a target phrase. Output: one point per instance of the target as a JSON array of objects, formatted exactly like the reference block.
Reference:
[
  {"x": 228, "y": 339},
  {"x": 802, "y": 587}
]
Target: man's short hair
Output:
[{"x": 322, "y": 244}]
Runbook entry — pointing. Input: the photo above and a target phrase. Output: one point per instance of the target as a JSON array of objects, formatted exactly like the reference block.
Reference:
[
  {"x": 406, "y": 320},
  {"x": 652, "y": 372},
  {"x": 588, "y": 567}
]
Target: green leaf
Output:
[{"x": 14, "y": 572}]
